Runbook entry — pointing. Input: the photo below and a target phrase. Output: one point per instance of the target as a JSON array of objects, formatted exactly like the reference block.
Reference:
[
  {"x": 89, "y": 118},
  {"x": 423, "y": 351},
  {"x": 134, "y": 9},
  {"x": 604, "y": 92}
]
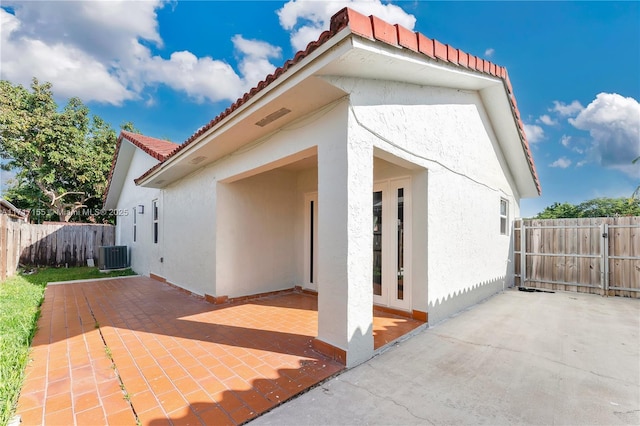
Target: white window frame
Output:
[
  {"x": 155, "y": 222},
  {"x": 389, "y": 272},
  {"x": 504, "y": 216},
  {"x": 135, "y": 223}
]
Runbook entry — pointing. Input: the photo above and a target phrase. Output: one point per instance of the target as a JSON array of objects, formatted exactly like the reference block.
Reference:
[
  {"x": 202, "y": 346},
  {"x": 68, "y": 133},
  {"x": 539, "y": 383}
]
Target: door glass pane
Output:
[
  {"x": 377, "y": 243},
  {"x": 400, "y": 248},
  {"x": 311, "y": 218}
]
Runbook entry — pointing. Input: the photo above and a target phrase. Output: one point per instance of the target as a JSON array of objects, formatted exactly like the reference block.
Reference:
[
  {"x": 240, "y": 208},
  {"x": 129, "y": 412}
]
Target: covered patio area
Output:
[{"x": 133, "y": 349}]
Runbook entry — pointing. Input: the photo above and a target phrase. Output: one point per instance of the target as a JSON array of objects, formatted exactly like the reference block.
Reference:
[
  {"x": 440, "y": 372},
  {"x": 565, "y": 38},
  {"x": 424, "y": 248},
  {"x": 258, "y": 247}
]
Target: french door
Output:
[{"x": 392, "y": 243}]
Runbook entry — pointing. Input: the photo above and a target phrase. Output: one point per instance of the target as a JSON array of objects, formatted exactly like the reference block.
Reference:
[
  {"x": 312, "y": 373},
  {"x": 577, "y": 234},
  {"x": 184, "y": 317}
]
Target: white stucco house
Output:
[{"x": 377, "y": 166}]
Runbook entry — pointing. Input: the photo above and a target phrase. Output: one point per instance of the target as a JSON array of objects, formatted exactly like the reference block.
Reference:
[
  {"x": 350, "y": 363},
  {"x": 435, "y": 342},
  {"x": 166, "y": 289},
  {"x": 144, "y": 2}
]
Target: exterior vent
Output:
[
  {"x": 273, "y": 117},
  {"x": 112, "y": 257}
]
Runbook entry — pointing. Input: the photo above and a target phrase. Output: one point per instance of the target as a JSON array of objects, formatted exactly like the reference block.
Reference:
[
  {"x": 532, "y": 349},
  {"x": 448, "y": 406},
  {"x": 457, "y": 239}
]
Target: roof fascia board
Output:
[
  {"x": 121, "y": 167},
  {"x": 496, "y": 101}
]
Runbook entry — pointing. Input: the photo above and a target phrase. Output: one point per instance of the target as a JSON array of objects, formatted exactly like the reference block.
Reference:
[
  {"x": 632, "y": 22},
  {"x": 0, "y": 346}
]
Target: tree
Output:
[
  {"x": 558, "y": 210},
  {"x": 61, "y": 157},
  {"x": 597, "y": 207}
]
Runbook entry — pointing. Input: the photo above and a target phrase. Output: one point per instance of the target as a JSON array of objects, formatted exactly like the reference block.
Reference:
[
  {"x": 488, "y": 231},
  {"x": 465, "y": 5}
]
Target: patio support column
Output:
[{"x": 345, "y": 244}]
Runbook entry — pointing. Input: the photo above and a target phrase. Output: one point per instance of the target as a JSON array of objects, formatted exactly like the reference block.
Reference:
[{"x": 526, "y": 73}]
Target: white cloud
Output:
[
  {"x": 73, "y": 71},
  {"x": 545, "y": 119},
  {"x": 100, "y": 51},
  {"x": 613, "y": 122},
  {"x": 562, "y": 163},
  {"x": 489, "y": 52},
  {"x": 576, "y": 145},
  {"x": 306, "y": 19},
  {"x": 200, "y": 78},
  {"x": 255, "y": 65},
  {"x": 567, "y": 110},
  {"x": 534, "y": 133}
]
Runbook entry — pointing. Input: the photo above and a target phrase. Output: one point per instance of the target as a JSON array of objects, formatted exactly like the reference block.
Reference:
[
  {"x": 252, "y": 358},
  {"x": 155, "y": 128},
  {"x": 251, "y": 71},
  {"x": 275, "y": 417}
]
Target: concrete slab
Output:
[{"x": 517, "y": 358}]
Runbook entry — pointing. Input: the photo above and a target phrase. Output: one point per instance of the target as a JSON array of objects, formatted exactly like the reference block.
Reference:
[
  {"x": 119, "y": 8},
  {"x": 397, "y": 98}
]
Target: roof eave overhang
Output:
[
  {"x": 369, "y": 59},
  {"x": 356, "y": 53},
  {"x": 15, "y": 211},
  {"x": 373, "y": 60},
  {"x": 512, "y": 140},
  {"x": 302, "y": 71},
  {"x": 118, "y": 175}
]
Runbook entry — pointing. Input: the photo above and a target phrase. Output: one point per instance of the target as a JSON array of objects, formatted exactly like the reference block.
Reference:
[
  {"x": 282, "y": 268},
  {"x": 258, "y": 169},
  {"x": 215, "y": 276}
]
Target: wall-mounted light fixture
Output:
[{"x": 141, "y": 208}]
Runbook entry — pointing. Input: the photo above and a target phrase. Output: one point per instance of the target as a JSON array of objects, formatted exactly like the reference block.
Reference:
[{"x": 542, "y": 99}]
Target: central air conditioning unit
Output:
[{"x": 113, "y": 257}]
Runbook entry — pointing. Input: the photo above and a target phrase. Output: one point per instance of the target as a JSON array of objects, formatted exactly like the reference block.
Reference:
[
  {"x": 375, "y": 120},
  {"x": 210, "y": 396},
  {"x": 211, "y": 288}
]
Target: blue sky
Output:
[{"x": 170, "y": 67}]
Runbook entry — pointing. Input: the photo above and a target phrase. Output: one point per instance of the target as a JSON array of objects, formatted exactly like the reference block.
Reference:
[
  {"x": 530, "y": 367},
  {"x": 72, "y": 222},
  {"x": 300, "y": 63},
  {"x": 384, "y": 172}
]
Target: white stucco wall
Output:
[
  {"x": 256, "y": 251},
  {"x": 189, "y": 233},
  {"x": 448, "y": 133},
  {"x": 345, "y": 299},
  {"x": 142, "y": 252},
  {"x": 236, "y": 227},
  {"x": 233, "y": 227}
]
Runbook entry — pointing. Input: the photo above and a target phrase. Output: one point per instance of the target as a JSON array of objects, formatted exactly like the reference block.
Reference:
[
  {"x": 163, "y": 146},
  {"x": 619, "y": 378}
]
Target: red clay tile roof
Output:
[
  {"x": 376, "y": 29},
  {"x": 157, "y": 148}
]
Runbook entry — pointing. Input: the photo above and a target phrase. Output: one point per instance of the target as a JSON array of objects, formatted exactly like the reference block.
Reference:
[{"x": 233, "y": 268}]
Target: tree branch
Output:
[{"x": 68, "y": 193}]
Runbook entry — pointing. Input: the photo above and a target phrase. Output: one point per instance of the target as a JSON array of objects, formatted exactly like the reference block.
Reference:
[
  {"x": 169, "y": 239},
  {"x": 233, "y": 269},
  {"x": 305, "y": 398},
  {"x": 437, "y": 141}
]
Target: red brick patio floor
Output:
[{"x": 134, "y": 349}]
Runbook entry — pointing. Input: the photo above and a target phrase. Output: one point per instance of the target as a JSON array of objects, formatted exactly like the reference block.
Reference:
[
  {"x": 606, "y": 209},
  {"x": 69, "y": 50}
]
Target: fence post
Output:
[
  {"x": 604, "y": 258},
  {"x": 523, "y": 254}
]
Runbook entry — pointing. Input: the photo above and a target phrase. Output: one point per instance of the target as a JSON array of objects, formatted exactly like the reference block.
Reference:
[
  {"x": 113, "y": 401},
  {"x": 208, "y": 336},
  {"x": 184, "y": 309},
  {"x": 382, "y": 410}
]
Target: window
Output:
[
  {"x": 504, "y": 216},
  {"x": 134, "y": 224},
  {"x": 154, "y": 213}
]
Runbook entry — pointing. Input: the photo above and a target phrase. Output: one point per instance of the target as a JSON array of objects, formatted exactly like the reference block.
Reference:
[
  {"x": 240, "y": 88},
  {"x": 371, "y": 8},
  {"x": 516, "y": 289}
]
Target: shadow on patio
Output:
[{"x": 177, "y": 356}]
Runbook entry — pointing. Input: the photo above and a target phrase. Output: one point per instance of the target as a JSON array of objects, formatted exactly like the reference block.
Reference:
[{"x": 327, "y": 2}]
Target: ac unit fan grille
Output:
[{"x": 113, "y": 257}]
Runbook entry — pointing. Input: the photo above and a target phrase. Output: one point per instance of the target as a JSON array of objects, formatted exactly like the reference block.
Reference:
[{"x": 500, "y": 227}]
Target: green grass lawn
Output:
[{"x": 20, "y": 300}]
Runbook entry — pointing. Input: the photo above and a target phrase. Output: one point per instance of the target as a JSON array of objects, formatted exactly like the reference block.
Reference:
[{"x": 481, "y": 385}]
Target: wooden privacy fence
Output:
[
  {"x": 50, "y": 244},
  {"x": 590, "y": 255},
  {"x": 9, "y": 245}
]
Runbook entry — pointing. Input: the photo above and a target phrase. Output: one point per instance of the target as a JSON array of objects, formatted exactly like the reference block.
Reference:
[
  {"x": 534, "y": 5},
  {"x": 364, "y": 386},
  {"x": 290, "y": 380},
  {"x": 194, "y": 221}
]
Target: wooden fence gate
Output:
[{"x": 590, "y": 255}]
